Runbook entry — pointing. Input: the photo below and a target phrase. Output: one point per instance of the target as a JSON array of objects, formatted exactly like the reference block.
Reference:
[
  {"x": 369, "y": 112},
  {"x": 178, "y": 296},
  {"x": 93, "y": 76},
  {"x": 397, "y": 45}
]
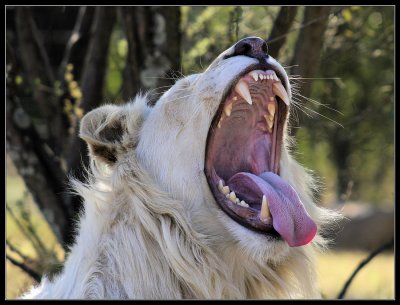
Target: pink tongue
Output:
[{"x": 289, "y": 217}]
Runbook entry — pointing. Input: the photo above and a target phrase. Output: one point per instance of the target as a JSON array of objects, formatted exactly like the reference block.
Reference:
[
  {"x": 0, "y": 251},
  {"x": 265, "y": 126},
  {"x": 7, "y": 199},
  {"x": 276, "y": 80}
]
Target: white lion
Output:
[{"x": 196, "y": 197}]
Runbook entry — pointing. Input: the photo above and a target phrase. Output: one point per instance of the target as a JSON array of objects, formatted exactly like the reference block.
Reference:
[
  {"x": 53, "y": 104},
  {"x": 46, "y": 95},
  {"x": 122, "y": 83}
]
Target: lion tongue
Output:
[{"x": 289, "y": 217}]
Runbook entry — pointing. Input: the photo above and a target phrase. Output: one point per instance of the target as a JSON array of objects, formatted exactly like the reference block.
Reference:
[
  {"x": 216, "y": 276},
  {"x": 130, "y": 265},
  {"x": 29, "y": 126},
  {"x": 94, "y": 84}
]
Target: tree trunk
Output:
[
  {"x": 153, "y": 35},
  {"x": 308, "y": 48},
  {"x": 41, "y": 136},
  {"x": 281, "y": 27}
]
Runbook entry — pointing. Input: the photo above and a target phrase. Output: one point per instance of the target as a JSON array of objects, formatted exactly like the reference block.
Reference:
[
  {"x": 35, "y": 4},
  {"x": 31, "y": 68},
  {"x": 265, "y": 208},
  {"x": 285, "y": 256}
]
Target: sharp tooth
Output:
[
  {"x": 243, "y": 90},
  {"x": 225, "y": 190},
  {"x": 271, "y": 109},
  {"x": 265, "y": 214},
  {"x": 270, "y": 121},
  {"x": 244, "y": 204},
  {"x": 280, "y": 91},
  {"x": 232, "y": 197},
  {"x": 220, "y": 185},
  {"x": 219, "y": 123},
  {"x": 275, "y": 77},
  {"x": 254, "y": 75},
  {"x": 228, "y": 109},
  {"x": 269, "y": 76}
]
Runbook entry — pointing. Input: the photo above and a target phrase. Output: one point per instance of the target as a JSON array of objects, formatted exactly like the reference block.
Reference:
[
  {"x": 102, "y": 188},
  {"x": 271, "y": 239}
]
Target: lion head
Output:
[{"x": 201, "y": 184}]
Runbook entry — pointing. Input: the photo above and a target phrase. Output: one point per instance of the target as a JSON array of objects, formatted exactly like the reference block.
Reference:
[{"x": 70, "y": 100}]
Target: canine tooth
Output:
[
  {"x": 254, "y": 75},
  {"x": 243, "y": 90},
  {"x": 265, "y": 214},
  {"x": 232, "y": 197},
  {"x": 280, "y": 91},
  {"x": 225, "y": 190},
  {"x": 271, "y": 109},
  {"x": 228, "y": 109}
]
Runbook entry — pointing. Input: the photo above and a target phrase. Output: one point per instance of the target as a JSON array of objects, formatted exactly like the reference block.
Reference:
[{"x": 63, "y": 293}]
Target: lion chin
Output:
[{"x": 197, "y": 196}]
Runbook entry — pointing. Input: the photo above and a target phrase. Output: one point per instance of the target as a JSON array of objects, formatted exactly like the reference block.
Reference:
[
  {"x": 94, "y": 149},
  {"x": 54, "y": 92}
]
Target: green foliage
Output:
[
  {"x": 116, "y": 64},
  {"x": 359, "y": 51}
]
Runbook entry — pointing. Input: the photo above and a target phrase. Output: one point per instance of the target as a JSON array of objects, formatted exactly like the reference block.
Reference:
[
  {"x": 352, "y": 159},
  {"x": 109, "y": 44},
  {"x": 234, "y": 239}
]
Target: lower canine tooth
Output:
[
  {"x": 280, "y": 91},
  {"x": 243, "y": 89},
  {"x": 265, "y": 214}
]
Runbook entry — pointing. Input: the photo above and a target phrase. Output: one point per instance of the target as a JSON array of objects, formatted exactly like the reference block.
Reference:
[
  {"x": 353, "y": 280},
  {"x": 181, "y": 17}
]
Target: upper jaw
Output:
[{"x": 267, "y": 117}]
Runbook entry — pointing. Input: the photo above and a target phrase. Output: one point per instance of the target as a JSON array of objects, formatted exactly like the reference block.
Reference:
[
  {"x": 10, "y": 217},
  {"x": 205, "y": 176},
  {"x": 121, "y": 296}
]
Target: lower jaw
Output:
[{"x": 251, "y": 222}]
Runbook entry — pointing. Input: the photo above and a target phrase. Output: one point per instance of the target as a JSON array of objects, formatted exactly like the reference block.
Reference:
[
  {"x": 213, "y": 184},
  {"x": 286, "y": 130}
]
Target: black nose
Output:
[{"x": 252, "y": 47}]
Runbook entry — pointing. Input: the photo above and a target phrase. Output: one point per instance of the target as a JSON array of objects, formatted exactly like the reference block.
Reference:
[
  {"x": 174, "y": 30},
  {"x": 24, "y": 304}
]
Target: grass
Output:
[{"x": 374, "y": 281}]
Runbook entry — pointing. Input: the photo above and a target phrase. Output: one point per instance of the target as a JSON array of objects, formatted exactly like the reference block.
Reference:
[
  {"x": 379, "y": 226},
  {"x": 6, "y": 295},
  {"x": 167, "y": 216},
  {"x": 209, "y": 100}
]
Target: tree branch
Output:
[
  {"x": 281, "y": 27},
  {"x": 75, "y": 36},
  {"x": 33, "y": 274},
  {"x": 363, "y": 264},
  {"x": 92, "y": 84},
  {"x": 308, "y": 47}
]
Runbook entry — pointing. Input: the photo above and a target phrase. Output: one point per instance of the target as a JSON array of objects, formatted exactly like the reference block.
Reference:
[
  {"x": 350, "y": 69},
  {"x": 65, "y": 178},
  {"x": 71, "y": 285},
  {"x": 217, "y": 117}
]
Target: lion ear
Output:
[{"x": 103, "y": 129}]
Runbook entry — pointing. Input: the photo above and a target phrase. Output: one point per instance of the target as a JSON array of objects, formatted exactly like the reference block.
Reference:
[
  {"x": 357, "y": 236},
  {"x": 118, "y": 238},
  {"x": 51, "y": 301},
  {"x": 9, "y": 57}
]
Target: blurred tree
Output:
[
  {"x": 359, "y": 53},
  {"x": 56, "y": 72}
]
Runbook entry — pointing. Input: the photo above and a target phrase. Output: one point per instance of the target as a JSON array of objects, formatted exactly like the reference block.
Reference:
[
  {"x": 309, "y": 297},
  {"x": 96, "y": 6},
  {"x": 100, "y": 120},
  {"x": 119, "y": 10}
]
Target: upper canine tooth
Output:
[
  {"x": 254, "y": 75},
  {"x": 280, "y": 91},
  {"x": 243, "y": 90},
  {"x": 271, "y": 109},
  {"x": 265, "y": 214},
  {"x": 228, "y": 109}
]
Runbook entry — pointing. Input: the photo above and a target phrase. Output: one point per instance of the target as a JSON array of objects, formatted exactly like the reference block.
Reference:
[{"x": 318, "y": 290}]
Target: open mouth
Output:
[{"x": 243, "y": 158}]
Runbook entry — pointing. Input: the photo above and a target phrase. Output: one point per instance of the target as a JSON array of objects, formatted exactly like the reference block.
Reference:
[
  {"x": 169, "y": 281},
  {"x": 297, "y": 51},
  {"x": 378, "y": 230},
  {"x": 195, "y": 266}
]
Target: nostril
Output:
[
  {"x": 242, "y": 49},
  {"x": 252, "y": 46},
  {"x": 264, "y": 47}
]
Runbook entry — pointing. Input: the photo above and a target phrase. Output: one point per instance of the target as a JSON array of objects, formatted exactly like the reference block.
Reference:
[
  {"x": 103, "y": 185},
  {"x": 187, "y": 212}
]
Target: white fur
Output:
[{"x": 151, "y": 228}]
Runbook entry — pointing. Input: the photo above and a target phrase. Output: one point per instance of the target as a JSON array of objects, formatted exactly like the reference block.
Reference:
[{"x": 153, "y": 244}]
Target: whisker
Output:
[
  {"x": 313, "y": 111},
  {"x": 318, "y": 103}
]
